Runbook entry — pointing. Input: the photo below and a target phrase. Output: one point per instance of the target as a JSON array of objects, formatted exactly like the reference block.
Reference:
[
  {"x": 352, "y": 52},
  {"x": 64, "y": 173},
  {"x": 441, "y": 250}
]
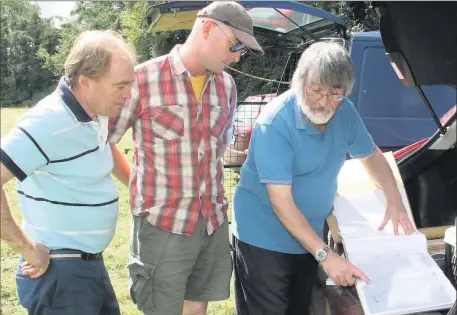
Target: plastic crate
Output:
[{"x": 450, "y": 257}]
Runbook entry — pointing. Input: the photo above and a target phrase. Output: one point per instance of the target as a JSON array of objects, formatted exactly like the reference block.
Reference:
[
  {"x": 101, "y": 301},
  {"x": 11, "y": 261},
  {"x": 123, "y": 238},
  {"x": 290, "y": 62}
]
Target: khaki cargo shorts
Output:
[{"x": 165, "y": 268}]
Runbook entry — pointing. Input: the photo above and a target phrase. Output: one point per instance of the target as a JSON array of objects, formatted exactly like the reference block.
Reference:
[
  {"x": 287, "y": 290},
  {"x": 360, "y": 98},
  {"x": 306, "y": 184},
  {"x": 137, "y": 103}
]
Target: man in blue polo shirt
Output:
[
  {"x": 288, "y": 184},
  {"x": 59, "y": 154}
]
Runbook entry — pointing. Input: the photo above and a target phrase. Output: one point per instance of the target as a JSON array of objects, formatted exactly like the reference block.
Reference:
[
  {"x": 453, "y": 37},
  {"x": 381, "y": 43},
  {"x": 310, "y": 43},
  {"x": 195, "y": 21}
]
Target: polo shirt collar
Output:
[
  {"x": 71, "y": 102},
  {"x": 301, "y": 122},
  {"x": 177, "y": 66}
]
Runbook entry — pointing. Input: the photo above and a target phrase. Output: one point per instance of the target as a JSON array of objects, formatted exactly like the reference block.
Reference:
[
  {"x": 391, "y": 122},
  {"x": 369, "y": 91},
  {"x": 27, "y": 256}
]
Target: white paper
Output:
[
  {"x": 403, "y": 284},
  {"x": 398, "y": 283},
  {"x": 362, "y": 214},
  {"x": 405, "y": 278},
  {"x": 372, "y": 248}
]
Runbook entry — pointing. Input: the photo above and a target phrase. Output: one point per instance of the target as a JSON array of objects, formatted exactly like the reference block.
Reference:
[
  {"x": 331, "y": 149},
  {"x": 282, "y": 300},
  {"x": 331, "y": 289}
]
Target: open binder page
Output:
[
  {"x": 353, "y": 179},
  {"x": 359, "y": 215},
  {"x": 405, "y": 277},
  {"x": 404, "y": 284},
  {"x": 373, "y": 248}
]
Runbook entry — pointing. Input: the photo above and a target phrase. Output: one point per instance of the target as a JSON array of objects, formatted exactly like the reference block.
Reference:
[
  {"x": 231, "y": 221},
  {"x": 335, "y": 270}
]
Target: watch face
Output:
[{"x": 321, "y": 255}]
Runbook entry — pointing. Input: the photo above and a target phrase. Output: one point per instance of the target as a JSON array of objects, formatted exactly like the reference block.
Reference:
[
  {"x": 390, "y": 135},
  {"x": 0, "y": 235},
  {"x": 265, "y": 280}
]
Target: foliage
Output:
[
  {"x": 23, "y": 33},
  {"x": 86, "y": 16},
  {"x": 269, "y": 66},
  {"x": 33, "y": 49},
  {"x": 127, "y": 18},
  {"x": 147, "y": 44},
  {"x": 358, "y": 15}
]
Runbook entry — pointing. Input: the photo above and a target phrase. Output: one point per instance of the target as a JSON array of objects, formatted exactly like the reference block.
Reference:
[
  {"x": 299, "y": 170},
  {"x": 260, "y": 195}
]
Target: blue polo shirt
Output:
[
  {"x": 286, "y": 149},
  {"x": 66, "y": 194}
]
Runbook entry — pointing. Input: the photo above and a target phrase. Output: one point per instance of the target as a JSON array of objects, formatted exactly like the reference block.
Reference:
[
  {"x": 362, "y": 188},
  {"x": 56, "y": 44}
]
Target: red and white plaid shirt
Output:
[{"x": 178, "y": 144}]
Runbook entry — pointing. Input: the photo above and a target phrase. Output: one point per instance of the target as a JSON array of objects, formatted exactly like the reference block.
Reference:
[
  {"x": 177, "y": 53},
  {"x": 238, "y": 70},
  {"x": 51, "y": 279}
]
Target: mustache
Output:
[
  {"x": 317, "y": 106},
  {"x": 314, "y": 106},
  {"x": 302, "y": 102}
]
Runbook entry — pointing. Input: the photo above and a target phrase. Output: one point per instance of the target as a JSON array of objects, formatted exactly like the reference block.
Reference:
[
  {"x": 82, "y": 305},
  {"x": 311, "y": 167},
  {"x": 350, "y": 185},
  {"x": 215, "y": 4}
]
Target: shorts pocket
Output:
[
  {"x": 140, "y": 283},
  {"x": 36, "y": 294},
  {"x": 26, "y": 290}
]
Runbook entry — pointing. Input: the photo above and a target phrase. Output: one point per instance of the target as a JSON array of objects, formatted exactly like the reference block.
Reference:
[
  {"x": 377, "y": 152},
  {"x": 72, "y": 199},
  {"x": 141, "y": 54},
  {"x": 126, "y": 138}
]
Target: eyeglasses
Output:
[
  {"x": 331, "y": 97},
  {"x": 236, "y": 46}
]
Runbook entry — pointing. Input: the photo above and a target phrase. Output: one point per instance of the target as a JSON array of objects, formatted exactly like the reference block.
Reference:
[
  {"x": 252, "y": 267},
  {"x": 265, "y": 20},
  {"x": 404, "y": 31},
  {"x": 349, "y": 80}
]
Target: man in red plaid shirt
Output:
[{"x": 181, "y": 112}]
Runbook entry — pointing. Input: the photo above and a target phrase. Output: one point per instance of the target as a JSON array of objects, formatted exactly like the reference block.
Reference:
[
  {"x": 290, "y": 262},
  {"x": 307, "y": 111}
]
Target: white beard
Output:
[{"x": 319, "y": 118}]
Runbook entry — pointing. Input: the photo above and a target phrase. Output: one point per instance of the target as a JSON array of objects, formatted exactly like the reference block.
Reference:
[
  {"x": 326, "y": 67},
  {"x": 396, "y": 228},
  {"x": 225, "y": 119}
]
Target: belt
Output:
[{"x": 76, "y": 254}]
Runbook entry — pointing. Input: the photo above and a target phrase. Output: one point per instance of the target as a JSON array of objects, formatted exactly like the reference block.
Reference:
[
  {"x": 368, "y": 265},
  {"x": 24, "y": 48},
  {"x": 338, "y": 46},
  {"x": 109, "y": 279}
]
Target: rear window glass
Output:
[{"x": 271, "y": 19}]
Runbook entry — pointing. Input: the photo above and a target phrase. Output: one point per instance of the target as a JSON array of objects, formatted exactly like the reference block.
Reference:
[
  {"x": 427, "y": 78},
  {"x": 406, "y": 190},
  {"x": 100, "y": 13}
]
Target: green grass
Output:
[{"x": 115, "y": 255}]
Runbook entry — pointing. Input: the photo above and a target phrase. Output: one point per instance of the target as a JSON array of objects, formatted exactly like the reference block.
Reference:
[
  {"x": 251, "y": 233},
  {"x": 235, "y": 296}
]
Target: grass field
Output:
[{"x": 115, "y": 255}]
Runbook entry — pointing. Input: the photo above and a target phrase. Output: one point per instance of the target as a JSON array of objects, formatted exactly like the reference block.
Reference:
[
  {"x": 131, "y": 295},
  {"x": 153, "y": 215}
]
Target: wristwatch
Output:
[{"x": 321, "y": 254}]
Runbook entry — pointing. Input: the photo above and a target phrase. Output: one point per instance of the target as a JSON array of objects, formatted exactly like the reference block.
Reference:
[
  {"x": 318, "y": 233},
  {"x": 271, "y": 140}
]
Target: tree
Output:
[
  {"x": 128, "y": 18},
  {"x": 86, "y": 16},
  {"x": 358, "y": 15},
  {"x": 146, "y": 44},
  {"x": 23, "y": 33}
]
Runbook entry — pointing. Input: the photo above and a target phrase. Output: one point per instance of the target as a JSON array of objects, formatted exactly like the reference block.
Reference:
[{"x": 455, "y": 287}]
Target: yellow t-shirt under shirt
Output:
[{"x": 197, "y": 85}]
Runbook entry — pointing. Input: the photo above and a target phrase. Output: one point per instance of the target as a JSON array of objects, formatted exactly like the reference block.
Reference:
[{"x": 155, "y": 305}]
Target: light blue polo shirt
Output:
[
  {"x": 286, "y": 149},
  {"x": 67, "y": 196}
]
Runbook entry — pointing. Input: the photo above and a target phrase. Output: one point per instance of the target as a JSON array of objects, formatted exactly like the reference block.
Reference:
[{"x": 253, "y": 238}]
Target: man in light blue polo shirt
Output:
[
  {"x": 59, "y": 154},
  {"x": 288, "y": 184}
]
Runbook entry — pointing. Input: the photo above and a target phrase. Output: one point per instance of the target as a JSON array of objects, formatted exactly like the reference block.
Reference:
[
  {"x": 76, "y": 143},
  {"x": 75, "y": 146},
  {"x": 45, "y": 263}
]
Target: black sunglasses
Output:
[{"x": 236, "y": 46}]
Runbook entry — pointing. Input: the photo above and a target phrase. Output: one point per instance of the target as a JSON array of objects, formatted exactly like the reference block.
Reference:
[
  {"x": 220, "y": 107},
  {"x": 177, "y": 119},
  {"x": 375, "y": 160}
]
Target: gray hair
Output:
[
  {"x": 327, "y": 64},
  {"x": 91, "y": 54}
]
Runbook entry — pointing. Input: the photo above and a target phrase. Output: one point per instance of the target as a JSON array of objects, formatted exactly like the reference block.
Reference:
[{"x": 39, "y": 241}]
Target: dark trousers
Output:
[
  {"x": 272, "y": 283},
  {"x": 70, "y": 286}
]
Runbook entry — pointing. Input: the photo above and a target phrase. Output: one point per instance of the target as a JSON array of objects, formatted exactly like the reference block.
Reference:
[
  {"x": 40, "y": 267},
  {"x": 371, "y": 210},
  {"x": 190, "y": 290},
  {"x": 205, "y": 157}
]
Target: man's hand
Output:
[
  {"x": 398, "y": 215},
  {"x": 382, "y": 176},
  {"x": 36, "y": 261},
  {"x": 341, "y": 271}
]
